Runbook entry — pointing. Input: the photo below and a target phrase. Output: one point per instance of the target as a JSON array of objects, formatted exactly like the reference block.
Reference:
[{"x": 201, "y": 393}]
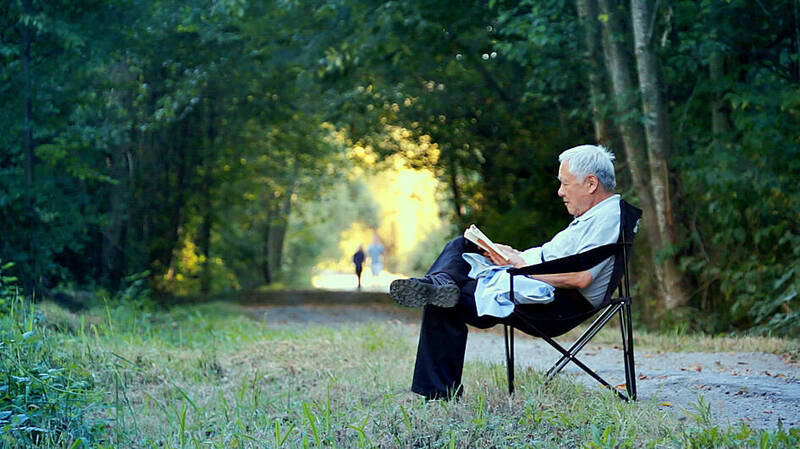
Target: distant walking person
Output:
[
  {"x": 358, "y": 260},
  {"x": 375, "y": 251}
]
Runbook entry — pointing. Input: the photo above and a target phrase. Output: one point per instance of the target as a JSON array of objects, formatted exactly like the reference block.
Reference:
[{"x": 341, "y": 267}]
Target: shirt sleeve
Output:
[
  {"x": 595, "y": 270},
  {"x": 532, "y": 256}
]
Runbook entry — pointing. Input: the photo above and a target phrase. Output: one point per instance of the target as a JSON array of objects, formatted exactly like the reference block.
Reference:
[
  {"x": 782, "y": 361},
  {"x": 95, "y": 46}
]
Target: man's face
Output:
[{"x": 577, "y": 196}]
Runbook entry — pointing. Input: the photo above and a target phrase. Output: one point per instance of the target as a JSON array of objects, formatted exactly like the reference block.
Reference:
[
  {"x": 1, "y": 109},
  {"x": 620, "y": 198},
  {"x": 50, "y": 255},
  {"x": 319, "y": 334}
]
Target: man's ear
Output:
[{"x": 592, "y": 183}]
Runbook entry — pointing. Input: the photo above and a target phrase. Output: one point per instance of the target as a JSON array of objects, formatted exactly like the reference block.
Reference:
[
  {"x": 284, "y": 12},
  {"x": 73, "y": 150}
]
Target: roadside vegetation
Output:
[{"x": 136, "y": 375}]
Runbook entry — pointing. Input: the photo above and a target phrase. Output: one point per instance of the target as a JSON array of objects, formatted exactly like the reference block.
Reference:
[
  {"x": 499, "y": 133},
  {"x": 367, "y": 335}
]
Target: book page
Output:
[{"x": 474, "y": 235}]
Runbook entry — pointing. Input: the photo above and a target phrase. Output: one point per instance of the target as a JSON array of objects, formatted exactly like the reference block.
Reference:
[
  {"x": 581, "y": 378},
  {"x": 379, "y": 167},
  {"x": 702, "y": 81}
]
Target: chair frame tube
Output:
[
  {"x": 569, "y": 356},
  {"x": 608, "y": 314},
  {"x": 621, "y": 306}
]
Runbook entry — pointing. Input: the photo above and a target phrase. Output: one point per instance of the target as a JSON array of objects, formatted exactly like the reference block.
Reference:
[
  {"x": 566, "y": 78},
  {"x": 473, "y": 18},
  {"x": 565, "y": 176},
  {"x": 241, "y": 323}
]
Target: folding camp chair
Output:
[{"x": 629, "y": 221}]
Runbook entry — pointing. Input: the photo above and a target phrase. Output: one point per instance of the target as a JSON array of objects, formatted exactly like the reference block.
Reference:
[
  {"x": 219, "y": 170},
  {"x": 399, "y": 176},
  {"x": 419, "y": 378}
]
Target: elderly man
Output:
[{"x": 586, "y": 174}]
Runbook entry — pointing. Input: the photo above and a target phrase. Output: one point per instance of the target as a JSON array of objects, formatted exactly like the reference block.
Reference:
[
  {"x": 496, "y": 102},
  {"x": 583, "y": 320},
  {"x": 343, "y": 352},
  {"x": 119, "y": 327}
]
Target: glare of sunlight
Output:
[{"x": 408, "y": 200}]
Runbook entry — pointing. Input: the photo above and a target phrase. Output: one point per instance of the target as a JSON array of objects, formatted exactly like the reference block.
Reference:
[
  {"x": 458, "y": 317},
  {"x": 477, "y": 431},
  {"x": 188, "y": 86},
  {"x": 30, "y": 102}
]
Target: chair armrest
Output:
[{"x": 577, "y": 262}]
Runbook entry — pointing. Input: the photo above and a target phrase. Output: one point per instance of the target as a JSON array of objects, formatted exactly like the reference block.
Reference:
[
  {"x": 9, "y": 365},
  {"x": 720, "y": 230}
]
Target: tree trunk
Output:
[
  {"x": 111, "y": 271},
  {"x": 205, "y": 227},
  {"x": 176, "y": 216},
  {"x": 113, "y": 260},
  {"x": 174, "y": 194},
  {"x": 30, "y": 283},
  {"x": 266, "y": 268},
  {"x": 658, "y": 145},
  {"x": 280, "y": 234},
  {"x": 619, "y": 70},
  {"x": 276, "y": 235},
  {"x": 795, "y": 62},
  {"x": 204, "y": 241},
  {"x": 27, "y": 138},
  {"x": 454, "y": 187},
  {"x": 587, "y": 14},
  {"x": 720, "y": 120}
]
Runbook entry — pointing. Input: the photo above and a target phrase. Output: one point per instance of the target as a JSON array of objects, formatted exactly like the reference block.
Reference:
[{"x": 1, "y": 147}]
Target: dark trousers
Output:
[{"x": 443, "y": 332}]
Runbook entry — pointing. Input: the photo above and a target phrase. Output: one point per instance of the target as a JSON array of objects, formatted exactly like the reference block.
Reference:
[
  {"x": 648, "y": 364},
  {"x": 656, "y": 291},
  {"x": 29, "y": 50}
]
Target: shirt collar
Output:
[{"x": 596, "y": 209}]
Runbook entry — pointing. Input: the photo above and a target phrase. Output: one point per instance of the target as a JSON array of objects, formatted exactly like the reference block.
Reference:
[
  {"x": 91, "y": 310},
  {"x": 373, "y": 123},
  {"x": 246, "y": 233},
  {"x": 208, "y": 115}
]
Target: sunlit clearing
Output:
[
  {"x": 409, "y": 212},
  {"x": 334, "y": 280}
]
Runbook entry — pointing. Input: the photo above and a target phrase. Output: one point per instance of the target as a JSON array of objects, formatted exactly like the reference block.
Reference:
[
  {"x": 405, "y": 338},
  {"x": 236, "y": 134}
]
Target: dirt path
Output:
[{"x": 759, "y": 389}]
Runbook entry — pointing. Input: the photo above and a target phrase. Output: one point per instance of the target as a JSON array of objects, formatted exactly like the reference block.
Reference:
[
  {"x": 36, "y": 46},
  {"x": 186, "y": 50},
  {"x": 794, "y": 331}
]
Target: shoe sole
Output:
[{"x": 412, "y": 293}]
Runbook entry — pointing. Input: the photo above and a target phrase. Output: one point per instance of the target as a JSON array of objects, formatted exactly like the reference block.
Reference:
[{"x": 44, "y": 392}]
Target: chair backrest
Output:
[
  {"x": 628, "y": 227},
  {"x": 555, "y": 325}
]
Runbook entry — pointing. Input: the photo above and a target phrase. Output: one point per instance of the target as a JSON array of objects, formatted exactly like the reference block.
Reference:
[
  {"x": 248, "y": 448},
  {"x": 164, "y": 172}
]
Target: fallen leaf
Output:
[{"x": 665, "y": 404}]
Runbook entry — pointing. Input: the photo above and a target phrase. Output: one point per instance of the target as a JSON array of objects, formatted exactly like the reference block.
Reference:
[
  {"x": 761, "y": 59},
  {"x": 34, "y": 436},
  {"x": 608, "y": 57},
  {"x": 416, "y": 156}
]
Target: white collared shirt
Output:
[{"x": 596, "y": 227}]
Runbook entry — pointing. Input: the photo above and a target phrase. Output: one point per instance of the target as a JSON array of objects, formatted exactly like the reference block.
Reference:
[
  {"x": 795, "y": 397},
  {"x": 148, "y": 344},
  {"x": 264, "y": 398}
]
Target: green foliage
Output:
[
  {"x": 740, "y": 218},
  {"x": 202, "y": 141},
  {"x": 49, "y": 54},
  {"x": 46, "y": 397},
  {"x": 159, "y": 130},
  {"x": 483, "y": 93},
  {"x": 8, "y": 289}
]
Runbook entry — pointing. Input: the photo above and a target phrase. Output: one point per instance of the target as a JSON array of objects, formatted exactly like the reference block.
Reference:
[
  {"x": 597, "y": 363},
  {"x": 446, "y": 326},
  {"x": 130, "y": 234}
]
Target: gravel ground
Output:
[
  {"x": 757, "y": 388},
  {"x": 753, "y": 387}
]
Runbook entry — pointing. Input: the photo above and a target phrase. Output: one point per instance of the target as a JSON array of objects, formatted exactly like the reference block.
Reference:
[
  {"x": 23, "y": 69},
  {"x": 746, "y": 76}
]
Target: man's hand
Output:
[
  {"x": 513, "y": 256},
  {"x": 507, "y": 249}
]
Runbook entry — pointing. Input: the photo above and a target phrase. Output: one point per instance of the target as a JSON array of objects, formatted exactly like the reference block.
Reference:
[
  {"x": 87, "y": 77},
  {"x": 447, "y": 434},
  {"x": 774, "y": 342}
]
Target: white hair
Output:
[{"x": 591, "y": 160}]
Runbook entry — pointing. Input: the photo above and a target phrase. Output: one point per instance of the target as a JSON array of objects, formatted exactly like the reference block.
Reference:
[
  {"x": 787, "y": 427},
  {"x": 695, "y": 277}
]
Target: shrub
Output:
[
  {"x": 8, "y": 288},
  {"x": 44, "y": 398}
]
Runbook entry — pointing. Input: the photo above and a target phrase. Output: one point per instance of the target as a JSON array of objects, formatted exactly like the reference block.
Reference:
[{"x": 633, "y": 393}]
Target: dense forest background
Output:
[{"x": 208, "y": 146}]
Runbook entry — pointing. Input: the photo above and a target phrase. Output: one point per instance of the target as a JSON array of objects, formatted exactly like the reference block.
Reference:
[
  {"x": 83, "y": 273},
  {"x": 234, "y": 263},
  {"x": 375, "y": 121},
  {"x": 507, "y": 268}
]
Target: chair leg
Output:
[
  {"x": 508, "y": 332},
  {"x": 626, "y": 327},
  {"x": 576, "y": 361},
  {"x": 587, "y": 335}
]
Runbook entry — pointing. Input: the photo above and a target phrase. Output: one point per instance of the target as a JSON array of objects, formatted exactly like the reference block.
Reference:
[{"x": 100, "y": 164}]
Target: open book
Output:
[{"x": 474, "y": 235}]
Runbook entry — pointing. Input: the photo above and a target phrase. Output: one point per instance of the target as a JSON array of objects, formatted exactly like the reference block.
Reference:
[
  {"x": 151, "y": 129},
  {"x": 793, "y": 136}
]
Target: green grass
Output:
[{"x": 215, "y": 376}]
